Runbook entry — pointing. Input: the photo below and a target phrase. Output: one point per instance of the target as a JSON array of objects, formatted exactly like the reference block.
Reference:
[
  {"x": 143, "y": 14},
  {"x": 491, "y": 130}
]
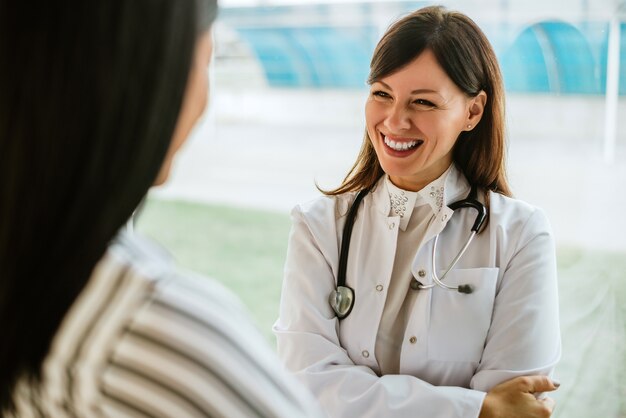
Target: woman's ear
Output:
[{"x": 475, "y": 110}]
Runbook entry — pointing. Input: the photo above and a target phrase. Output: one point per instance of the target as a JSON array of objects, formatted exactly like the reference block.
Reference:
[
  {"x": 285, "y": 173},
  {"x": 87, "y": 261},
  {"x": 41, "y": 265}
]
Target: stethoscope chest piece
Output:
[{"x": 342, "y": 301}]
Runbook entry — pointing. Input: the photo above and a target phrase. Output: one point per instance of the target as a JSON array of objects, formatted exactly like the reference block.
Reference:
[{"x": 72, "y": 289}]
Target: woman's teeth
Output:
[{"x": 402, "y": 145}]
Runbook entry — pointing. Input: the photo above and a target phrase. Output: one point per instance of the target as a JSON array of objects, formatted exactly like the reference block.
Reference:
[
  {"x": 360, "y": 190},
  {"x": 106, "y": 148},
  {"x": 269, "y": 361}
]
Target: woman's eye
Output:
[
  {"x": 423, "y": 102},
  {"x": 379, "y": 93}
]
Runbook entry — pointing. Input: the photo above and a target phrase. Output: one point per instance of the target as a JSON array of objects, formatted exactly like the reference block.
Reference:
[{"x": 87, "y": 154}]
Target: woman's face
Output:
[
  {"x": 414, "y": 117},
  {"x": 194, "y": 101}
]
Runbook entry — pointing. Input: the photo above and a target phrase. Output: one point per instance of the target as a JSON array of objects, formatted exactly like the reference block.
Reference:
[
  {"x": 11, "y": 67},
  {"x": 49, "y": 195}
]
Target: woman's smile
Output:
[{"x": 400, "y": 147}]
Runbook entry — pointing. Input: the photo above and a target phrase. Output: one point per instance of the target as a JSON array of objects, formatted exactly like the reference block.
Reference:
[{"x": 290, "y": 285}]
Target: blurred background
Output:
[{"x": 286, "y": 112}]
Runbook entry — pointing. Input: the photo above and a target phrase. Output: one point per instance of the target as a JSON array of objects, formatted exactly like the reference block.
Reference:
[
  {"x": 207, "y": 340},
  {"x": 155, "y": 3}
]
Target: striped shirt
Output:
[{"x": 144, "y": 340}]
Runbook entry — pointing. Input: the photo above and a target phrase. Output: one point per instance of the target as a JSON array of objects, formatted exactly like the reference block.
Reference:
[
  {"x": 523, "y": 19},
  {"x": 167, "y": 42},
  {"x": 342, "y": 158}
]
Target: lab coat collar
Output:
[
  {"x": 456, "y": 185},
  {"x": 448, "y": 188}
]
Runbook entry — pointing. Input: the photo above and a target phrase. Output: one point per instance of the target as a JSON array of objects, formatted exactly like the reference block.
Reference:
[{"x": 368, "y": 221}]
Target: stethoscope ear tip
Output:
[{"x": 465, "y": 288}]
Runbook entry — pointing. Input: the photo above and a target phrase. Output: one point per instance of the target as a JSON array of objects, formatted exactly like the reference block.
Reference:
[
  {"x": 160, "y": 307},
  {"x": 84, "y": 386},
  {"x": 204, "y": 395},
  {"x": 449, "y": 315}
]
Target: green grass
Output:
[{"x": 245, "y": 250}]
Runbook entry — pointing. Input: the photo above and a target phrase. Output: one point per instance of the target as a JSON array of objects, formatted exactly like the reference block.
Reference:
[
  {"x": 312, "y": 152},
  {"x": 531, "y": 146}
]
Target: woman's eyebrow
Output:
[{"x": 417, "y": 91}]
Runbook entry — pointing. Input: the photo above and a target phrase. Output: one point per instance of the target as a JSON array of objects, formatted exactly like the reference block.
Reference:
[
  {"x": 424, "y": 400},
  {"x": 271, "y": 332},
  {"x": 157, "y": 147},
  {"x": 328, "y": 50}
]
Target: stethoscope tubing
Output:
[
  {"x": 438, "y": 281},
  {"x": 343, "y": 297}
]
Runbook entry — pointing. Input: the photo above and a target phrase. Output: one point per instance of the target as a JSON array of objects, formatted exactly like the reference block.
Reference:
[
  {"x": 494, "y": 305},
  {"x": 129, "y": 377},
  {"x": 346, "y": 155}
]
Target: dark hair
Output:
[
  {"x": 467, "y": 57},
  {"x": 90, "y": 93}
]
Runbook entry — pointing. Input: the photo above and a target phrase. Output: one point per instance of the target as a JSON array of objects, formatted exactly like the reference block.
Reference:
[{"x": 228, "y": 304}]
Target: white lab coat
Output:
[{"x": 465, "y": 343}]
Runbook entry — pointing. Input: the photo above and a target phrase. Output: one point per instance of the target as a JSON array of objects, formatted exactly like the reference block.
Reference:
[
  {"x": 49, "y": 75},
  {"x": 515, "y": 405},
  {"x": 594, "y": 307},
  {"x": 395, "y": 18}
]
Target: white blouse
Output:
[{"x": 417, "y": 210}]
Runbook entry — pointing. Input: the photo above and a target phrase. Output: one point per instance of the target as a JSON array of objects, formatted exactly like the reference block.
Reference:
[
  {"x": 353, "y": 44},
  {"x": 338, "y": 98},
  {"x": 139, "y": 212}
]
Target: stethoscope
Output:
[{"x": 342, "y": 298}]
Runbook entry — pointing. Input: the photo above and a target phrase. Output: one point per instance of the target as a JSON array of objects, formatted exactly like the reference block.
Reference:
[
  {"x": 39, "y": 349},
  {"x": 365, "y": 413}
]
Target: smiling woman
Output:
[
  {"x": 414, "y": 117},
  {"x": 409, "y": 344}
]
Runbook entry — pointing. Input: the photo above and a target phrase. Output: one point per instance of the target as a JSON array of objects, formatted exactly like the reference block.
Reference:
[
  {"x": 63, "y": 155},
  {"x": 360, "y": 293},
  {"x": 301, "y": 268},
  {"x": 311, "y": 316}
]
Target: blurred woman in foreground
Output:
[{"x": 96, "y": 98}]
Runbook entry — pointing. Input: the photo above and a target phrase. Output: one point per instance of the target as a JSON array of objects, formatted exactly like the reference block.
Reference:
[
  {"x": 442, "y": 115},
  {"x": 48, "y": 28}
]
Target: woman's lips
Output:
[{"x": 401, "y": 146}]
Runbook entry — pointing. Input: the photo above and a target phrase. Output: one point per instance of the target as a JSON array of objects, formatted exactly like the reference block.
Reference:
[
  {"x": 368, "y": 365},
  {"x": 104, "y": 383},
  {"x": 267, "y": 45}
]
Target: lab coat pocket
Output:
[{"x": 459, "y": 322}]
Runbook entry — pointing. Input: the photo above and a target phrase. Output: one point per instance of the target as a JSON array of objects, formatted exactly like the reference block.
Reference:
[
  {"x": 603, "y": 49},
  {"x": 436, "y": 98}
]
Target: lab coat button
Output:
[
  {"x": 379, "y": 287},
  {"x": 392, "y": 225},
  {"x": 421, "y": 273},
  {"x": 414, "y": 284},
  {"x": 444, "y": 217},
  {"x": 413, "y": 339},
  {"x": 365, "y": 353}
]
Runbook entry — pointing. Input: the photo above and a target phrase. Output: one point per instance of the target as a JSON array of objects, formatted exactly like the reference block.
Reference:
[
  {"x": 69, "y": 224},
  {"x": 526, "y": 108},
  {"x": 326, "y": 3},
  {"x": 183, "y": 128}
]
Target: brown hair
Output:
[{"x": 467, "y": 57}]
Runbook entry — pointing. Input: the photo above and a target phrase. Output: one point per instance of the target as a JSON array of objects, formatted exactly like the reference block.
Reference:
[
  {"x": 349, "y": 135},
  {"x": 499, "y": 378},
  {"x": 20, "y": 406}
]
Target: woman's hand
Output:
[{"x": 515, "y": 398}]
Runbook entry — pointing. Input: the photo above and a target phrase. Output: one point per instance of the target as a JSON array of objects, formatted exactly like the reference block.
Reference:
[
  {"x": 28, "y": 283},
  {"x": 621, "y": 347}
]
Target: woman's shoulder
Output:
[
  {"x": 512, "y": 213},
  {"x": 323, "y": 214},
  {"x": 325, "y": 205},
  {"x": 186, "y": 300},
  {"x": 327, "y": 213},
  {"x": 185, "y": 324},
  {"x": 137, "y": 311}
]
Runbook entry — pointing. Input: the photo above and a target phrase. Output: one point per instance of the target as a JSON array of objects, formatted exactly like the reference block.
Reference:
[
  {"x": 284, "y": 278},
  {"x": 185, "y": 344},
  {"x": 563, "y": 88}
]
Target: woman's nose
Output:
[{"x": 398, "y": 119}]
